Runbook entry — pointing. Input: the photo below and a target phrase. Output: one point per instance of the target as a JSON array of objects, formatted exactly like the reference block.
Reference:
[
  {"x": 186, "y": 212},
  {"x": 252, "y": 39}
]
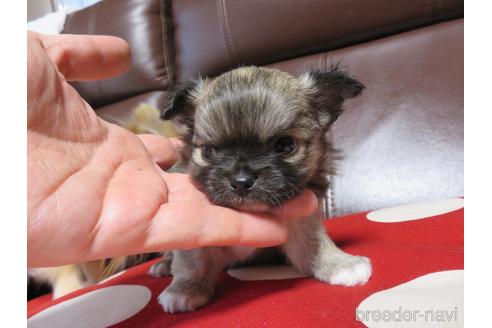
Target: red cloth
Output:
[{"x": 399, "y": 252}]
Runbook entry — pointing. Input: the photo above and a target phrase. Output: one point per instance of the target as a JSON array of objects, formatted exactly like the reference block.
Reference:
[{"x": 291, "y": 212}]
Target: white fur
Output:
[
  {"x": 306, "y": 81},
  {"x": 63, "y": 279},
  {"x": 178, "y": 302},
  {"x": 198, "y": 158},
  {"x": 346, "y": 270}
]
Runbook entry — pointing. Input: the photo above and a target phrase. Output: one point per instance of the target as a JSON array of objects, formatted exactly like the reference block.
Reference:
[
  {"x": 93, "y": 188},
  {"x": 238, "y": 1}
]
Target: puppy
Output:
[
  {"x": 68, "y": 278},
  {"x": 255, "y": 138}
]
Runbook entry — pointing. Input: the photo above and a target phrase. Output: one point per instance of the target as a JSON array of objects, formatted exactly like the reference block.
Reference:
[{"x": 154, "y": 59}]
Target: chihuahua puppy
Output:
[{"x": 255, "y": 138}]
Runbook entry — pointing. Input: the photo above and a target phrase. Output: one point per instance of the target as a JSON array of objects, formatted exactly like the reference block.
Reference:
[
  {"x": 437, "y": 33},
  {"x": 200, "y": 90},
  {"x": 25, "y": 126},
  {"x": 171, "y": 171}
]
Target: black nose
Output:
[{"x": 242, "y": 183}]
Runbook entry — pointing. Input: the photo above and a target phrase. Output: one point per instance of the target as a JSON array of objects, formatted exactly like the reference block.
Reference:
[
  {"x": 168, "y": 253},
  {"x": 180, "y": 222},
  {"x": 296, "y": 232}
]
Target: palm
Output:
[{"x": 97, "y": 172}]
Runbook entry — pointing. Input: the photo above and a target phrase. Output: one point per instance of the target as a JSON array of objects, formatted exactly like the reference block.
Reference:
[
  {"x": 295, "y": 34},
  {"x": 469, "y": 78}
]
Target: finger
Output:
[
  {"x": 299, "y": 207},
  {"x": 178, "y": 144},
  {"x": 87, "y": 57},
  {"x": 200, "y": 226},
  {"x": 162, "y": 150},
  {"x": 182, "y": 189}
]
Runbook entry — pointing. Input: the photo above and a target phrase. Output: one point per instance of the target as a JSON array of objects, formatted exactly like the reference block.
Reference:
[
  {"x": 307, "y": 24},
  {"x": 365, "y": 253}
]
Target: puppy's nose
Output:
[{"x": 242, "y": 183}]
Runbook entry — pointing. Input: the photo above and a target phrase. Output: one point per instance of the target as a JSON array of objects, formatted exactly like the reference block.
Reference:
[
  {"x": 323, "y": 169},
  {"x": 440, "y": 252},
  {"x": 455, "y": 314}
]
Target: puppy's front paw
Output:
[
  {"x": 173, "y": 301},
  {"x": 345, "y": 270},
  {"x": 160, "y": 269}
]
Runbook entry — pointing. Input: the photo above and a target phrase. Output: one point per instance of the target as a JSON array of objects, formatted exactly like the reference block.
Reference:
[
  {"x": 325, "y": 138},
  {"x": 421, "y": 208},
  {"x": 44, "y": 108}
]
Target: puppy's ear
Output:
[
  {"x": 181, "y": 108},
  {"x": 329, "y": 89}
]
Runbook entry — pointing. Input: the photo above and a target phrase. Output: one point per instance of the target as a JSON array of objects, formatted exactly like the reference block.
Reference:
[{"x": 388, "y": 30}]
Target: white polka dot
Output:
[
  {"x": 99, "y": 308},
  {"x": 111, "y": 277},
  {"x": 432, "y": 300},
  {"x": 416, "y": 211},
  {"x": 271, "y": 272}
]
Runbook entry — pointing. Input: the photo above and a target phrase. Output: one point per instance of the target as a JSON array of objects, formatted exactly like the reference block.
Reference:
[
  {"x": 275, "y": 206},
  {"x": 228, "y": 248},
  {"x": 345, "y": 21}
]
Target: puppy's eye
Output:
[
  {"x": 284, "y": 145},
  {"x": 208, "y": 151}
]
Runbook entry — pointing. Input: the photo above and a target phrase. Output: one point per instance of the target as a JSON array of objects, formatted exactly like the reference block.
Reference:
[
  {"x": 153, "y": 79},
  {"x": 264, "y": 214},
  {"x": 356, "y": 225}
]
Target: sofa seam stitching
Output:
[
  {"x": 170, "y": 78},
  {"x": 223, "y": 26},
  {"x": 228, "y": 31}
]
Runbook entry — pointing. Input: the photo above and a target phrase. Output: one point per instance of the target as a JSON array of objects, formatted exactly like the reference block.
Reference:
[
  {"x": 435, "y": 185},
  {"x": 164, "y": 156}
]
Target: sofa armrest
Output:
[{"x": 145, "y": 26}]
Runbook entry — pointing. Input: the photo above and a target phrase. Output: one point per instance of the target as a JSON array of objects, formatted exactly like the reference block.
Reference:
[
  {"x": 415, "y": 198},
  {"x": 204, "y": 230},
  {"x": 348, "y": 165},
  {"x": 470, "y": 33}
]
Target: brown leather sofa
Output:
[{"x": 402, "y": 140}]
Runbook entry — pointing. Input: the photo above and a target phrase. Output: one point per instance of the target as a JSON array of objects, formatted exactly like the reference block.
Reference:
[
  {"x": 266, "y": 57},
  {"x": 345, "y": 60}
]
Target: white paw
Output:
[
  {"x": 346, "y": 270},
  {"x": 160, "y": 269},
  {"x": 173, "y": 302}
]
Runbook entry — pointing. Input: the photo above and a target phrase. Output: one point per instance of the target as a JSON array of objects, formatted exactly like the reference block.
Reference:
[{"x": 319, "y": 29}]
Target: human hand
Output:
[{"x": 96, "y": 190}]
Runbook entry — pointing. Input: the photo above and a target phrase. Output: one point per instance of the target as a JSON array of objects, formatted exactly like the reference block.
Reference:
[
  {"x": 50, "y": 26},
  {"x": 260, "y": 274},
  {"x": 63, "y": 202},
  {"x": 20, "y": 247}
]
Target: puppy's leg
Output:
[
  {"x": 163, "y": 267},
  {"x": 63, "y": 279},
  {"x": 67, "y": 281},
  {"x": 194, "y": 276},
  {"x": 312, "y": 251}
]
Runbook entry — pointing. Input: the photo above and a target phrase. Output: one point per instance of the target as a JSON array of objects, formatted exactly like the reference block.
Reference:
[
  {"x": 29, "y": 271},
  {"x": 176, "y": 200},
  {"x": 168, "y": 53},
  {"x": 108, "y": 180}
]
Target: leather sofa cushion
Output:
[
  {"x": 402, "y": 139},
  {"x": 144, "y": 24},
  {"x": 214, "y": 36}
]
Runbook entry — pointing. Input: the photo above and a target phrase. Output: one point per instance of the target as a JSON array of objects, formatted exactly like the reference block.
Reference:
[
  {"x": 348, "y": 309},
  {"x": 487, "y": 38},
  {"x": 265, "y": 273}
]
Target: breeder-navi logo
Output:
[{"x": 401, "y": 315}]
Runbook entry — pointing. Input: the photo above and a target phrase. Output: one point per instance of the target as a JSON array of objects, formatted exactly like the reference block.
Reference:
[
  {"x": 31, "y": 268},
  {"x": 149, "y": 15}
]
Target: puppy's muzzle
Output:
[{"x": 242, "y": 183}]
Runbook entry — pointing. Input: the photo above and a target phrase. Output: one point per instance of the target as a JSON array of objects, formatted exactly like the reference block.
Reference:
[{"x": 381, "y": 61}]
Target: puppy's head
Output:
[{"x": 256, "y": 137}]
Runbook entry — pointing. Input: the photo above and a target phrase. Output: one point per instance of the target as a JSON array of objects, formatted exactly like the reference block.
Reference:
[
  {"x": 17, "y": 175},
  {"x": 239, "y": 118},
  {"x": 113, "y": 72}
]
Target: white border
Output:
[
  {"x": 478, "y": 180},
  {"x": 13, "y": 170}
]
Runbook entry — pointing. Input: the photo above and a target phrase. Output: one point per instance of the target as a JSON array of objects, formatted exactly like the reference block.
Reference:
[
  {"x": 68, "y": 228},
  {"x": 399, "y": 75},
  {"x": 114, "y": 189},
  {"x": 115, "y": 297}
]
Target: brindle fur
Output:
[{"x": 240, "y": 115}]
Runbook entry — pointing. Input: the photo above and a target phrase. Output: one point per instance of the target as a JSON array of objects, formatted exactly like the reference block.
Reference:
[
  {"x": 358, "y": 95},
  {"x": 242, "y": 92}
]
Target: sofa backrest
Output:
[
  {"x": 175, "y": 40},
  {"x": 402, "y": 140},
  {"x": 214, "y": 36}
]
